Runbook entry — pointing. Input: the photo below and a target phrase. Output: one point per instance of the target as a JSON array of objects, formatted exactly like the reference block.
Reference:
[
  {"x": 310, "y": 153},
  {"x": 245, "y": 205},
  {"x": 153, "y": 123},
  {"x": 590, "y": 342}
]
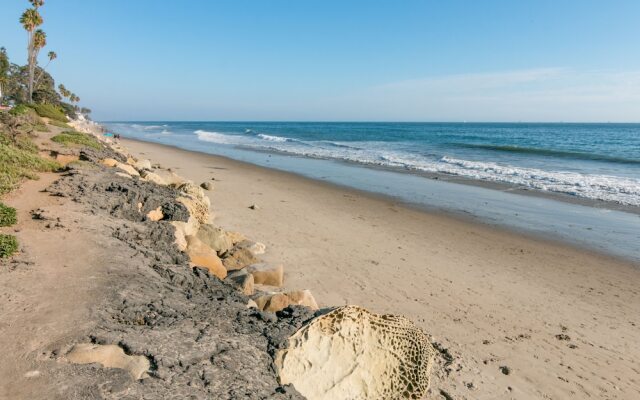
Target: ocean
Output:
[{"x": 594, "y": 165}]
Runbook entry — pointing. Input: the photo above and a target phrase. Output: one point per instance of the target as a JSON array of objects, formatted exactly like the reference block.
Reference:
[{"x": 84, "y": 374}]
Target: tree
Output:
[
  {"x": 30, "y": 20},
  {"x": 52, "y": 56},
  {"x": 4, "y": 71}
]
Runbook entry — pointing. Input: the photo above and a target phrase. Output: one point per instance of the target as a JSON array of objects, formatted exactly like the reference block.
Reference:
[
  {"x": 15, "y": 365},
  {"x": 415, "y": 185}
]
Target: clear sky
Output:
[{"x": 489, "y": 60}]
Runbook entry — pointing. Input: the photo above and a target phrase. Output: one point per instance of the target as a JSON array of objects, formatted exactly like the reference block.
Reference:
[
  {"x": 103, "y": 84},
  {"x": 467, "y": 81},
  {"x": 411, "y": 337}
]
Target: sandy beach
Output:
[{"x": 515, "y": 316}]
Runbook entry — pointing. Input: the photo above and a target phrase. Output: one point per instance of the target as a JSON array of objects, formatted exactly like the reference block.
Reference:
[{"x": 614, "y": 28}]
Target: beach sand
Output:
[{"x": 515, "y": 316}]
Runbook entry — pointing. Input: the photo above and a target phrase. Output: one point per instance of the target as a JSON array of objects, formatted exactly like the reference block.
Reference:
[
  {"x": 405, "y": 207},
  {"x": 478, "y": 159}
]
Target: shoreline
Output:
[{"x": 456, "y": 215}]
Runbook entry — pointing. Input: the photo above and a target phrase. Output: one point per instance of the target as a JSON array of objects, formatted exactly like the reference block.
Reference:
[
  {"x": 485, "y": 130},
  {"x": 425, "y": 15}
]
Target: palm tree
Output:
[
  {"x": 30, "y": 20},
  {"x": 52, "y": 56}
]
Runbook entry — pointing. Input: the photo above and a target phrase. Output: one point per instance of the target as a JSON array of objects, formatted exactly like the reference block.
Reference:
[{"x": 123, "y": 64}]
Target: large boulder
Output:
[
  {"x": 351, "y": 353},
  {"x": 215, "y": 237},
  {"x": 142, "y": 164},
  {"x": 266, "y": 274},
  {"x": 127, "y": 168},
  {"x": 196, "y": 208},
  {"x": 201, "y": 255},
  {"x": 152, "y": 177}
]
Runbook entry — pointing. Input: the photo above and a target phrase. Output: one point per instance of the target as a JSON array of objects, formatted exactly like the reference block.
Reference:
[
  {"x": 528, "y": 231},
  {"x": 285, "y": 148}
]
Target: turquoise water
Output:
[{"x": 598, "y": 163}]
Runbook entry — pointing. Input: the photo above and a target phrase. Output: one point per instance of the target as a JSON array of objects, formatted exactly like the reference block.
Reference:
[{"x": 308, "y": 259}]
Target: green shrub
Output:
[
  {"x": 69, "y": 138},
  {"x": 8, "y": 245},
  {"x": 60, "y": 124},
  {"x": 50, "y": 111},
  {"x": 18, "y": 163},
  {"x": 20, "y": 109},
  {"x": 7, "y": 215}
]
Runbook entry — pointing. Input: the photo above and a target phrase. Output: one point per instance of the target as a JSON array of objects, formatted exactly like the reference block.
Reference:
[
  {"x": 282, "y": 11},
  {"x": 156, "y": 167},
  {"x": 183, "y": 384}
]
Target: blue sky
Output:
[{"x": 343, "y": 60}]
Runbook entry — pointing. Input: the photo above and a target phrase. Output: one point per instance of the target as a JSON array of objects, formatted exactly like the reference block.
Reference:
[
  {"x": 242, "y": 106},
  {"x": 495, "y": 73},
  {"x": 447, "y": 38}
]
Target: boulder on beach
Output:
[
  {"x": 109, "y": 162},
  {"x": 274, "y": 302},
  {"x": 256, "y": 248},
  {"x": 127, "y": 168},
  {"x": 236, "y": 237},
  {"x": 238, "y": 258},
  {"x": 152, "y": 177},
  {"x": 201, "y": 255},
  {"x": 109, "y": 356},
  {"x": 242, "y": 280},
  {"x": 142, "y": 164},
  {"x": 266, "y": 274},
  {"x": 215, "y": 237},
  {"x": 206, "y": 185},
  {"x": 351, "y": 353},
  {"x": 170, "y": 178}
]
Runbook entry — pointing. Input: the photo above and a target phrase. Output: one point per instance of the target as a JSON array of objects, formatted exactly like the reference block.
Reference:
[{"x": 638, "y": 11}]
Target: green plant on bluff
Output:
[
  {"x": 69, "y": 138},
  {"x": 7, "y": 215},
  {"x": 60, "y": 124},
  {"x": 8, "y": 245},
  {"x": 50, "y": 111},
  {"x": 19, "y": 160}
]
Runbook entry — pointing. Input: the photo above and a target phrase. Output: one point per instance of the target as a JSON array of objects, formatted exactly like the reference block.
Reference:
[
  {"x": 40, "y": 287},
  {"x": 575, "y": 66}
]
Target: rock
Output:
[
  {"x": 169, "y": 177},
  {"x": 180, "y": 237},
  {"x": 236, "y": 237},
  {"x": 155, "y": 215},
  {"x": 64, "y": 159},
  {"x": 274, "y": 302},
  {"x": 238, "y": 258},
  {"x": 110, "y": 356},
  {"x": 256, "y": 248},
  {"x": 251, "y": 304},
  {"x": 128, "y": 169},
  {"x": 196, "y": 208},
  {"x": 123, "y": 175},
  {"x": 109, "y": 162},
  {"x": 142, "y": 164},
  {"x": 242, "y": 280},
  {"x": 254, "y": 207},
  {"x": 206, "y": 185},
  {"x": 131, "y": 160},
  {"x": 352, "y": 353},
  {"x": 203, "y": 256},
  {"x": 190, "y": 228},
  {"x": 265, "y": 274},
  {"x": 215, "y": 237},
  {"x": 153, "y": 177}
]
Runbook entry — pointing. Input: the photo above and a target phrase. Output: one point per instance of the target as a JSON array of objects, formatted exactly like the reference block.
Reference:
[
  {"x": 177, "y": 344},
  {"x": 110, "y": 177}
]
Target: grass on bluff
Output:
[
  {"x": 70, "y": 138},
  {"x": 7, "y": 215},
  {"x": 19, "y": 159},
  {"x": 8, "y": 245},
  {"x": 50, "y": 111},
  {"x": 59, "y": 124}
]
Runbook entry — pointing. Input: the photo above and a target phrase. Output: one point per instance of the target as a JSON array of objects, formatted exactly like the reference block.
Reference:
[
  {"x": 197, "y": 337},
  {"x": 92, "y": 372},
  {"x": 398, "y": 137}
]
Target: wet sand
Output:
[{"x": 516, "y": 316}]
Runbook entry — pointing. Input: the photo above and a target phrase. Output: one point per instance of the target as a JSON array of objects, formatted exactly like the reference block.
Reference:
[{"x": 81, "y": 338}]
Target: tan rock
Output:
[
  {"x": 236, "y": 237},
  {"x": 180, "y": 236},
  {"x": 155, "y": 215},
  {"x": 241, "y": 280},
  {"x": 142, "y": 164},
  {"x": 266, "y": 274},
  {"x": 110, "y": 356},
  {"x": 274, "y": 302},
  {"x": 203, "y": 256},
  {"x": 215, "y": 237},
  {"x": 238, "y": 258},
  {"x": 169, "y": 177},
  {"x": 109, "y": 162},
  {"x": 128, "y": 169},
  {"x": 123, "y": 175},
  {"x": 196, "y": 208},
  {"x": 251, "y": 304},
  {"x": 131, "y": 160},
  {"x": 153, "y": 177},
  {"x": 350, "y": 353},
  {"x": 65, "y": 159},
  {"x": 256, "y": 248}
]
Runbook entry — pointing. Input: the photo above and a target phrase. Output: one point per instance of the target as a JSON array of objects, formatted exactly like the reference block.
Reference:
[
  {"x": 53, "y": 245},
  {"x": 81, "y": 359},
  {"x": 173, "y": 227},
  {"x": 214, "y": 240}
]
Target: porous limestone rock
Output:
[
  {"x": 180, "y": 235},
  {"x": 110, "y": 356},
  {"x": 171, "y": 178},
  {"x": 256, "y": 248},
  {"x": 238, "y": 258},
  {"x": 155, "y": 215},
  {"x": 128, "y": 169},
  {"x": 242, "y": 280},
  {"x": 196, "y": 208},
  {"x": 203, "y": 256},
  {"x": 274, "y": 302},
  {"x": 236, "y": 237},
  {"x": 109, "y": 162},
  {"x": 215, "y": 237},
  {"x": 266, "y": 274},
  {"x": 351, "y": 353}
]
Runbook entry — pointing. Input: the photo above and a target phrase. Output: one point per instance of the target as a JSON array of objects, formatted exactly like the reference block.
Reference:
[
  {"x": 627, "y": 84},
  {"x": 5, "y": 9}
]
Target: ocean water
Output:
[{"x": 598, "y": 163}]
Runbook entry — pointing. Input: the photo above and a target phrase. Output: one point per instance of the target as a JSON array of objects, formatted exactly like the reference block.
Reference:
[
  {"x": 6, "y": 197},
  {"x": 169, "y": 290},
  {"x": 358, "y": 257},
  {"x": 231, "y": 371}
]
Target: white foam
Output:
[{"x": 271, "y": 138}]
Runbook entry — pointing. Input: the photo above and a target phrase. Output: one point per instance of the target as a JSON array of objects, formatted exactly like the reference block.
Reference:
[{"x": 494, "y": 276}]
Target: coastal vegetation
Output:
[
  {"x": 8, "y": 245},
  {"x": 70, "y": 138},
  {"x": 7, "y": 215}
]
